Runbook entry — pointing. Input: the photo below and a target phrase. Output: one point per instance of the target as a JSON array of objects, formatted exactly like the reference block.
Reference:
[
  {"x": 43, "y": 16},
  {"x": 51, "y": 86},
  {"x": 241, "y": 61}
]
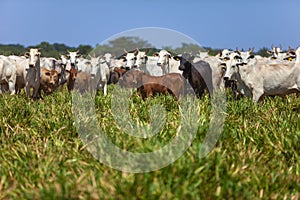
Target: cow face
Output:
[
  {"x": 231, "y": 68},
  {"x": 130, "y": 59},
  {"x": 34, "y": 56},
  {"x": 246, "y": 56},
  {"x": 275, "y": 53},
  {"x": 163, "y": 57},
  {"x": 73, "y": 56},
  {"x": 49, "y": 80},
  {"x": 94, "y": 64},
  {"x": 142, "y": 59},
  {"x": 108, "y": 57},
  {"x": 73, "y": 73},
  {"x": 290, "y": 55}
]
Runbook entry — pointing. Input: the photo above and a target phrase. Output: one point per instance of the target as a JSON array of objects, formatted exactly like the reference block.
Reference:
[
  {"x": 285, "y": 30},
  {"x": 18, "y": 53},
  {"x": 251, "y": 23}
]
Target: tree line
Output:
[{"x": 116, "y": 47}]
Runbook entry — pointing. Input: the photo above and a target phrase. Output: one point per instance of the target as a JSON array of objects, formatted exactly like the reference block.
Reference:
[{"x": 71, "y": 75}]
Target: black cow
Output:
[{"x": 199, "y": 74}]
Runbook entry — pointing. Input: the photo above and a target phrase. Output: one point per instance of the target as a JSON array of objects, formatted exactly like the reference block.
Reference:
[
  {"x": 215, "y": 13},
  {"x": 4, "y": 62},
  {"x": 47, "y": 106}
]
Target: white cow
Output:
[
  {"x": 278, "y": 55},
  {"x": 130, "y": 59},
  {"x": 257, "y": 79},
  {"x": 167, "y": 63},
  {"x": 7, "y": 74},
  {"x": 73, "y": 57},
  {"x": 29, "y": 73},
  {"x": 99, "y": 73}
]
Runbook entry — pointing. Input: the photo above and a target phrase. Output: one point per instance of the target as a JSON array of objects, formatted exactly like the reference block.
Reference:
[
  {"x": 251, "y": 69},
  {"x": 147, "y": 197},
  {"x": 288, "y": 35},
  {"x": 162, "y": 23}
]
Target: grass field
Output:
[{"x": 42, "y": 157}]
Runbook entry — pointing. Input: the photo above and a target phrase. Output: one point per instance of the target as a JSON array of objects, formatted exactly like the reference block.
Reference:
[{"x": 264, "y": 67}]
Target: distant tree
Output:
[
  {"x": 117, "y": 46},
  {"x": 188, "y": 48},
  {"x": 263, "y": 52},
  {"x": 84, "y": 49},
  {"x": 12, "y": 49}
]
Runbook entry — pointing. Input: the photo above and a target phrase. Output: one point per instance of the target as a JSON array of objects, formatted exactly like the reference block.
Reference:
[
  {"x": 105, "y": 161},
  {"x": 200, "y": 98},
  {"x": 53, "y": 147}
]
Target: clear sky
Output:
[{"x": 214, "y": 23}]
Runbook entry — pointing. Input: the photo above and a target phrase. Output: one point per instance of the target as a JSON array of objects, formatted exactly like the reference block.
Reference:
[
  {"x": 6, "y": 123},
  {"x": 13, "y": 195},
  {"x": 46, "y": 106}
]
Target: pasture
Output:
[{"x": 256, "y": 156}]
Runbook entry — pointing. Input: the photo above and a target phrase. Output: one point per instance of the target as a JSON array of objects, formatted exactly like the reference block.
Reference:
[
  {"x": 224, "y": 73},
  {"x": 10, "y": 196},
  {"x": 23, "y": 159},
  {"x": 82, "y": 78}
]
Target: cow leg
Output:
[
  {"x": 257, "y": 94},
  {"x": 11, "y": 86},
  {"x": 105, "y": 89},
  {"x": 35, "y": 92},
  {"x": 27, "y": 90}
]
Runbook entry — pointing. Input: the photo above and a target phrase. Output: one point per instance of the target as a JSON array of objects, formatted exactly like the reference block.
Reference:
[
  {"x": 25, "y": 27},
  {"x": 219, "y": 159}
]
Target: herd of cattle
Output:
[{"x": 242, "y": 71}]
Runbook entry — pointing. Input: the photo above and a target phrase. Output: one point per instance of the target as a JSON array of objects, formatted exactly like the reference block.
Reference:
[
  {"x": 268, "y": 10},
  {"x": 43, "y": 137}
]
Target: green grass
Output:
[{"x": 256, "y": 156}]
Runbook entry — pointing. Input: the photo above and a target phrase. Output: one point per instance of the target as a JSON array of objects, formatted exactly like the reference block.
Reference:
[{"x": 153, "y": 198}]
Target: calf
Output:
[
  {"x": 148, "y": 86},
  {"x": 72, "y": 78}
]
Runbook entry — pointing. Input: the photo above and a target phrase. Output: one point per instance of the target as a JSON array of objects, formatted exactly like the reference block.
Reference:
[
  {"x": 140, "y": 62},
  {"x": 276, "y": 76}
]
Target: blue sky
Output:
[{"x": 214, "y": 23}]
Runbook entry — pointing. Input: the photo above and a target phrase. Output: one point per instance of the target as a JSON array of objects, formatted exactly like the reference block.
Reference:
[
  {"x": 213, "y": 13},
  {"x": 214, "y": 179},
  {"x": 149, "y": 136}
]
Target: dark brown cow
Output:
[
  {"x": 49, "y": 81},
  {"x": 116, "y": 74},
  {"x": 72, "y": 78},
  {"x": 148, "y": 85},
  {"x": 198, "y": 74}
]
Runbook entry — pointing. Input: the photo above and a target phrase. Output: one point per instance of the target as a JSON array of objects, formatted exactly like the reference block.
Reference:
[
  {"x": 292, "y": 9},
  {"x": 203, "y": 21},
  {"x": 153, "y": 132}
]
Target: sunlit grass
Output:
[{"x": 42, "y": 157}]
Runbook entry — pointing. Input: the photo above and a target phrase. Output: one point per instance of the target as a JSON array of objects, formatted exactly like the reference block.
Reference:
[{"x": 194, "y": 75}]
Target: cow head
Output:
[
  {"x": 246, "y": 56},
  {"x": 142, "y": 58},
  {"x": 34, "y": 57},
  {"x": 94, "y": 64},
  {"x": 276, "y": 52},
  {"x": 235, "y": 60},
  {"x": 73, "y": 56},
  {"x": 73, "y": 73},
  {"x": 130, "y": 58},
  {"x": 108, "y": 58},
  {"x": 290, "y": 54},
  {"x": 185, "y": 63},
  {"x": 163, "y": 57}
]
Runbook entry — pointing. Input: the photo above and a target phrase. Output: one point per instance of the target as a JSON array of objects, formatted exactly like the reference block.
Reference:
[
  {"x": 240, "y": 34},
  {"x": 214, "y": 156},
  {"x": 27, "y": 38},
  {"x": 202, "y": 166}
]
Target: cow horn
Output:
[
  {"x": 280, "y": 46},
  {"x": 251, "y": 50},
  {"x": 136, "y": 51},
  {"x": 77, "y": 51},
  {"x": 125, "y": 50},
  {"x": 272, "y": 46},
  {"x": 238, "y": 51}
]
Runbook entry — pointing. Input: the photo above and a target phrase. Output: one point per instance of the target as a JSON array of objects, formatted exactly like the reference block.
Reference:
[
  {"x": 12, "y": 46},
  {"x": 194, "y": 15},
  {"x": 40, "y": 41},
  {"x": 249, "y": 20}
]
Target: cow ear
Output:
[
  {"x": 177, "y": 58},
  {"x": 269, "y": 52},
  {"x": 27, "y": 54},
  {"x": 156, "y": 54}
]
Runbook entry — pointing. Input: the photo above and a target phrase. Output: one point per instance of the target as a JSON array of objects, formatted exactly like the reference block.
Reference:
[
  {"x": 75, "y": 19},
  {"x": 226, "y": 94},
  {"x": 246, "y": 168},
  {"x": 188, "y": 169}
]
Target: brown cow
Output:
[
  {"x": 83, "y": 82},
  {"x": 116, "y": 74},
  {"x": 49, "y": 81},
  {"x": 148, "y": 85},
  {"x": 71, "y": 79}
]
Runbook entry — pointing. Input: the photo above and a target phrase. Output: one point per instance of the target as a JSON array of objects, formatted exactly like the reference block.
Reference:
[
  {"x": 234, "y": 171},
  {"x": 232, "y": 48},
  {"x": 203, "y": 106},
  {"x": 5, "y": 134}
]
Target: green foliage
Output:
[
  {"x": 42, "y": 157},
  {"x": 117, "y": 46},
  {"x": 47, "y": 49},
  {"x": 12, "y": 49},
  {"x": 263, "y": 52}
]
